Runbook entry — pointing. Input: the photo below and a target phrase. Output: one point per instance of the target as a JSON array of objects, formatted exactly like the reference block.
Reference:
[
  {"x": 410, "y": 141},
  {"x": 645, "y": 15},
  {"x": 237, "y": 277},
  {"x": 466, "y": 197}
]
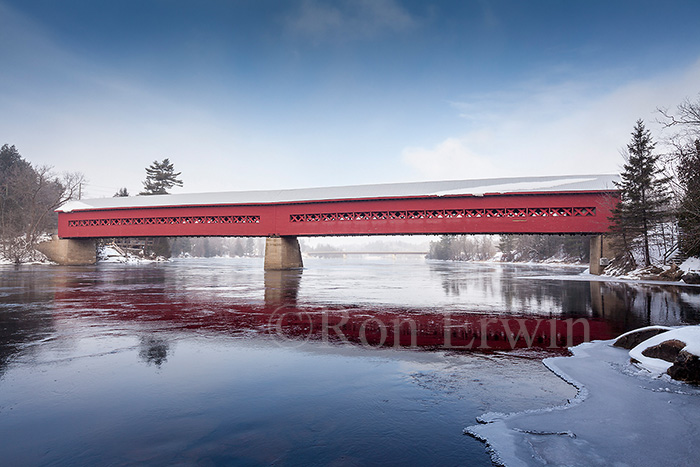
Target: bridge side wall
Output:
[{"x": 544, "y": 213}]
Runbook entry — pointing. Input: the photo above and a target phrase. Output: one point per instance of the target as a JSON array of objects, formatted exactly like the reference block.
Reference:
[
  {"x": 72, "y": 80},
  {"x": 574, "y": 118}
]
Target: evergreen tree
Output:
[
  {"x": 442, "y": 249},
  {"x": 238, "y": 248},
  {"x": 160, "y": 177},
  {"x": 160, "y": 247},
  {"x": 506, "y": 245},
  {"x": 122, "y": 193},
  {"x": 643, "y": 195},
  {"x": 181, "y": 245},
  {"x": 576, "y": 246},
  {"x": 10, "y": 159},
  {"x": 249, "y": 247}
]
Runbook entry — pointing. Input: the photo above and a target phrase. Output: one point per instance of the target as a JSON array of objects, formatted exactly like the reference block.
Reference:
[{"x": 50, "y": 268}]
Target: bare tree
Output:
[
  {"x": 686, "y": 118},
  {"x": 683, "y": 164},
  {"x": 29, "y": 197},
  {"x": 50, "y": 193}
]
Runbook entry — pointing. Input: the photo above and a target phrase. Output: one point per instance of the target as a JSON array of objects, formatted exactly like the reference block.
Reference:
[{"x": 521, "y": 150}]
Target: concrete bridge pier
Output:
[
  {"x": 282, "y": 253},
  {"x": 601, "y": 253},
  {"x": 70, "y": 251}
]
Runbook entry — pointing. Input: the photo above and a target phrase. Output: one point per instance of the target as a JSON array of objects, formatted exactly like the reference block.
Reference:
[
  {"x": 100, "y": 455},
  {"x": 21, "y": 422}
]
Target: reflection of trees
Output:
[
  {"x": 18, "y": 327},
  {"x": 21, "y": 320},
  {"x": 635, "y": 305},
  {"x": 503, "y": 283},
  {"x": 154, "y": 350},
  {"x": 456, "y": 281},
  {"x": 625, "y": 305}
]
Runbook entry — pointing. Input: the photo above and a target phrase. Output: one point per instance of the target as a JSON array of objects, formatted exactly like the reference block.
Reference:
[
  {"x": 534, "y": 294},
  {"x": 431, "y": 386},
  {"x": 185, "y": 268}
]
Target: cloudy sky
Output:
[{"x": 264, "y": 94}]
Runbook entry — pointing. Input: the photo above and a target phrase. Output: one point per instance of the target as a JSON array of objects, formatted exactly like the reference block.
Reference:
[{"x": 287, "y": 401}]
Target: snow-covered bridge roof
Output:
[{"x": 567, "y": 183}]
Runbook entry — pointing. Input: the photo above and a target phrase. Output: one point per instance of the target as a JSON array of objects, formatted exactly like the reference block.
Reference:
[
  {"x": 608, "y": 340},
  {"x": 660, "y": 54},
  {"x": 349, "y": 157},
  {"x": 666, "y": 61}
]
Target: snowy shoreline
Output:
[{"x": 624, "y": 280}]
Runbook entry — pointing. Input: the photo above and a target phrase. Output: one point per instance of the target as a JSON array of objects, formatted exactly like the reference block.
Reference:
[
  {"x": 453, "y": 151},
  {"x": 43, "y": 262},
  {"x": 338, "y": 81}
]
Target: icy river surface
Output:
[{"x": 361, "y": 361}]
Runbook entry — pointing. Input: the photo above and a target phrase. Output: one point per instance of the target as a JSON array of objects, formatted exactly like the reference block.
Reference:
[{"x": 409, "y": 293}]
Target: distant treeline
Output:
[
  {"x": 209, "y": 247},
  {"x": 568, "y": 248}
]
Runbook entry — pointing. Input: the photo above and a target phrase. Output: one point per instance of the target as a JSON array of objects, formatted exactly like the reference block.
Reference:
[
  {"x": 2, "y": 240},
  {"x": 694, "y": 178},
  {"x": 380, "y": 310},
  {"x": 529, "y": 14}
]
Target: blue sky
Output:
[{"x": 260, "y": 94}]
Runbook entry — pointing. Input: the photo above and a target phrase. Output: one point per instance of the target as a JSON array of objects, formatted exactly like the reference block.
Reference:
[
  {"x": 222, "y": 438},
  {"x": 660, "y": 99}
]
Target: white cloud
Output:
[
  {"x": 448, "y": 159},
  {"x": 549, "y": 130}
]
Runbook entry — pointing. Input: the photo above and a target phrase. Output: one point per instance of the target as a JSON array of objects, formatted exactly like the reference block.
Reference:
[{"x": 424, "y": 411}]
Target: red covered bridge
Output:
[{"x": 579, "y": 204}]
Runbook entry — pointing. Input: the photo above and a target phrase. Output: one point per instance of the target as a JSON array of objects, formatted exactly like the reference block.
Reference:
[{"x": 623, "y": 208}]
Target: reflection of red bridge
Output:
[
  {"x": 452, "y": 332},
  {"x": 543, "y": 205},
  {"x": 287, "y": 323}
]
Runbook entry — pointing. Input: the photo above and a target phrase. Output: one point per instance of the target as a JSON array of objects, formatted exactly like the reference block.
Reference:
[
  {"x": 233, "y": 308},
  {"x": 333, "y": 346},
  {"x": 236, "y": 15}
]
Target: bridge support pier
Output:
[
  {"x": 282, "y": 253},
  {"x": 70, "y": 251},
  {"x": 601, "y": 253}
]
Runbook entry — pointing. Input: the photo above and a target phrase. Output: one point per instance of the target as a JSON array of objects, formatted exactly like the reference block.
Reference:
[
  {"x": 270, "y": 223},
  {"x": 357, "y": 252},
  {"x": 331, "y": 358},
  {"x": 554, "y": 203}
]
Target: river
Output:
[{"x": 362, "y": 361}]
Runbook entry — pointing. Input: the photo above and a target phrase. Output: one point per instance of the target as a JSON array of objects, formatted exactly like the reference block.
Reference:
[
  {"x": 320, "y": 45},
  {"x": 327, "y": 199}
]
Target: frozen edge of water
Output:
[
  {"x": 494, "y": 420},
  {"x": 594, "y": 278}
]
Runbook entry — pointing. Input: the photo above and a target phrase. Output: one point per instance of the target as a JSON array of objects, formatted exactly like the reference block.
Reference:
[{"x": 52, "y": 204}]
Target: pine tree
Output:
[
  {"x": 122, "y": 193},
  {"x": 160, "y": 177},
  {"x": 249, "y": 247},
  {"x": 643, "y": 195},
  {"x": 442, "y": 249}
]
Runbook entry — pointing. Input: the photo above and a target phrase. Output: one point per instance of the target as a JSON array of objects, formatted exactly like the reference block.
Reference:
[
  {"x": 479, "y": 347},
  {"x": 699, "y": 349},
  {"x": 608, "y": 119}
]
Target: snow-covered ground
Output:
[
  {"x": 691, "y": 264},
  {"x": 689, "y": 335},
  {"x": 624, "y": 414},
  {"x": 34, "y": 257},
  {"x": 21, "y": 247},
  {"x": 105, "y": 254},
  {"x": 109, "y": 254}
]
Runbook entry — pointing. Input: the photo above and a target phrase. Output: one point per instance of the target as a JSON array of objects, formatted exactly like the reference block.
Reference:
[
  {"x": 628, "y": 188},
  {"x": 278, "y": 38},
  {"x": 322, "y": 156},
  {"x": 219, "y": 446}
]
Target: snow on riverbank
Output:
[
  {"x": 110, "y": 254},
  {"x": 691, "y": 264},
  {"x": 689, "y": 335},
  {"x": 688, "y": 273},
  {"x": 34, "y": 257},
  {"x": 623, "y": 415}
]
